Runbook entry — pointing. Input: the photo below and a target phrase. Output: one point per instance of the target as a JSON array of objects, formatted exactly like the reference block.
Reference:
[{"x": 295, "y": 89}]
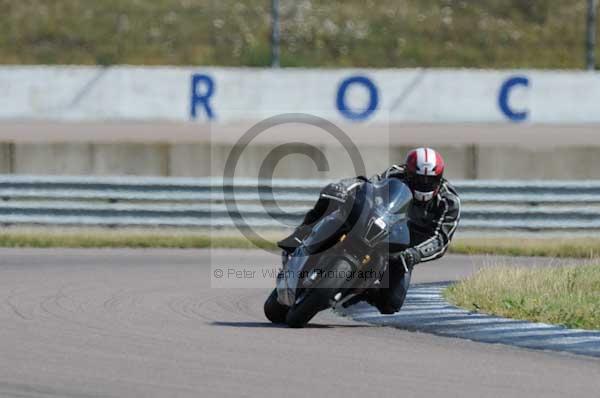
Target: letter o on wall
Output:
[
  {"x": 373, "y": 98},
  {"x": 503, "y": 98}
]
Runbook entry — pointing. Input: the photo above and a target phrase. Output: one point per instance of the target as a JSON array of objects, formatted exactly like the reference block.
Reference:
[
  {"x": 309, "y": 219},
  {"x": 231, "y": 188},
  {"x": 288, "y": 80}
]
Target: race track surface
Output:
[{"x": 125, "y": 323}]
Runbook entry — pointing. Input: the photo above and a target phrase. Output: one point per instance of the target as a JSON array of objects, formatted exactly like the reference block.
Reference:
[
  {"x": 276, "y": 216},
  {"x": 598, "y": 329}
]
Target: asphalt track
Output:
[{"x": 133, "y": 323}]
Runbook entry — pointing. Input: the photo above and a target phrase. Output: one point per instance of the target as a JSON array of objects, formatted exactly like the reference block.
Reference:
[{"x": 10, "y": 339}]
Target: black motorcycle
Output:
[{"x": 345, "y": 254}]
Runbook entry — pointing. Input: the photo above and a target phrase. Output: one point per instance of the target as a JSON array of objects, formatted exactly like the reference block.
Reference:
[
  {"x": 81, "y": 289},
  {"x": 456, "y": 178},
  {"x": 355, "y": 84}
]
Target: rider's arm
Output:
[
  {"x": 436, "y": 246},
  {"x": 331, "y": 197},
  {"x": 395, "y": 171}
]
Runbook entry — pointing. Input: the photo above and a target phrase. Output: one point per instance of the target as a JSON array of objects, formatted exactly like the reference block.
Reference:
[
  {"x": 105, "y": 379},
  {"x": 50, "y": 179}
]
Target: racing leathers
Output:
[{"x": 432, "y": 225}]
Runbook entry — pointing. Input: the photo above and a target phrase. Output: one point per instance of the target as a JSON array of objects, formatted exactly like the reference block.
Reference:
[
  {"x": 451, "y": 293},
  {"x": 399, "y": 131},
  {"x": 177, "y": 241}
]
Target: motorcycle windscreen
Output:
[
  {"x": 399, "y": 237},
  {"x": 392, "y": 197},
  {"x": 324, "y": 234}
]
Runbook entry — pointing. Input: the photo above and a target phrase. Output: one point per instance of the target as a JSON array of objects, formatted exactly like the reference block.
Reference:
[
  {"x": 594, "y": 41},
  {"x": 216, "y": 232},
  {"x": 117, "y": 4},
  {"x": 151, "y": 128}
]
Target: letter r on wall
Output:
[{"x": 203, "y": 88}]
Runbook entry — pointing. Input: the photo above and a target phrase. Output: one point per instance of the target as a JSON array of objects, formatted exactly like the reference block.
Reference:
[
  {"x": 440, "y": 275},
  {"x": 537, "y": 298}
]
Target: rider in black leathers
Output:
[{"x": 432, "y": 219}]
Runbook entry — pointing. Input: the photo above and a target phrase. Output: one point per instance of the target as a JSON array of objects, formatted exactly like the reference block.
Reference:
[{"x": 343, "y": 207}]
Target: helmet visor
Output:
[{"x": 423, "y": 183}]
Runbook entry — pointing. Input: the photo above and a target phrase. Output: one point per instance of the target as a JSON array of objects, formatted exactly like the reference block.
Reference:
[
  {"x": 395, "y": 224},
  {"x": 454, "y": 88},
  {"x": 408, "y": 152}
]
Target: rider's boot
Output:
[{"x": 370, "y": 296}]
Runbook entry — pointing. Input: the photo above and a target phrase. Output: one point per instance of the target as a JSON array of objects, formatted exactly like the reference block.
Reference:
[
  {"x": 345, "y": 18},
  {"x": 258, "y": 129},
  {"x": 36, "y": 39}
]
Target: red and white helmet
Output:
[{"x": 424, "y": 169}]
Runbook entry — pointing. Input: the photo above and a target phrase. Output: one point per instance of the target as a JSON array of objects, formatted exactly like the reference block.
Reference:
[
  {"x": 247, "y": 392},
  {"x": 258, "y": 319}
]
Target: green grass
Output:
[
  {"x": 371, "y": 33},
  {"x": 98, "y": 238},
  {"x": 534, "y": 247},
  {"x": 568, "y": 295},
  {"x": 200, "y": 239}
]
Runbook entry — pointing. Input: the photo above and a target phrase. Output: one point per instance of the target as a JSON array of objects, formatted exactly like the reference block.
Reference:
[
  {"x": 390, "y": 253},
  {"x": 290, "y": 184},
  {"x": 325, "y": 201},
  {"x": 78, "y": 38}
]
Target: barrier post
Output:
[
  {"x": 592, "y": 22},
  {"x": 275, "y": 35}
]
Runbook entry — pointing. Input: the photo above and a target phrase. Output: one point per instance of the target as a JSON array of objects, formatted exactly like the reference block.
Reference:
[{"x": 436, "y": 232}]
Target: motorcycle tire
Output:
[
  {"x": 314, "y": 301},
  {"x": 274, "y": 311},
  {"x": 318, "y": 299}
]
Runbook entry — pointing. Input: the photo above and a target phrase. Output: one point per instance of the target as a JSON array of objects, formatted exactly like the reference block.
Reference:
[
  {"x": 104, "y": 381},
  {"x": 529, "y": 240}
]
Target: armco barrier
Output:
[{"x": 202, "y": 202}]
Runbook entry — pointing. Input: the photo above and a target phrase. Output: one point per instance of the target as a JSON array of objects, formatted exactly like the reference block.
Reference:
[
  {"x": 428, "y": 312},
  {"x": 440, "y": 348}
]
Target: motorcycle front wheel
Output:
[
  {"x": 274, "y": 311},
  {"x": 318, "y": 298},
  {"x": 314, "y": 301}
]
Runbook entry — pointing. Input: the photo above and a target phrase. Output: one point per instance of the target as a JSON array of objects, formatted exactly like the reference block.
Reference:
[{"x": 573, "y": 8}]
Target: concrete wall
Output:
[
  {"x": 198, "y": 160},
  {"x": 225, "y": 95},
  {"x": 546, "y": 163},
  {"x": 166, "y": 121}
]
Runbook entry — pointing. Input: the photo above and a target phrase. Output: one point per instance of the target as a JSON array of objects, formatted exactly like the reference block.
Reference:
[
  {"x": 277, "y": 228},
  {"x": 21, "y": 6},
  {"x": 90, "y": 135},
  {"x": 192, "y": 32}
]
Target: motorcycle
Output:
[{"x": 345, "y": 254}]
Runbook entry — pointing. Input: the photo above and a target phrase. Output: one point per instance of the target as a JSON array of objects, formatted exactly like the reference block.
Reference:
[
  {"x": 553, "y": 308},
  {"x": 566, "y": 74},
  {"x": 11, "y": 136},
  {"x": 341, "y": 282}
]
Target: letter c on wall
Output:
[
  {"x": 373, "y": 98},
  {"x": 503, "y": 98}
]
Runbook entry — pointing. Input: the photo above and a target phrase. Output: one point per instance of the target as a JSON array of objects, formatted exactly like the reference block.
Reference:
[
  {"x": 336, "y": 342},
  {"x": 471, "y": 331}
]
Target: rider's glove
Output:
[{"x": 409, "y": 258}]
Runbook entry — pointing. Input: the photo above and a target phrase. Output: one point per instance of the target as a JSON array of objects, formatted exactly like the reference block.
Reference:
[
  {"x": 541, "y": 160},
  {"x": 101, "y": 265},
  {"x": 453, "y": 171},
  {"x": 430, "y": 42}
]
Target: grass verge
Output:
[
  {"x": 99, "y": 238},
  {"x": 583, "y": 247},
  {"x": 568, "y": 295},
  {"x": 351, "y": 33},
  {"x": 190, "y": 239}
]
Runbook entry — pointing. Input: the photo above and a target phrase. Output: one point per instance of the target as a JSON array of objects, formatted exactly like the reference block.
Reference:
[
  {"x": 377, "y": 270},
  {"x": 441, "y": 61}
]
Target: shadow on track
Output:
[{"x": 281, "y": 326}]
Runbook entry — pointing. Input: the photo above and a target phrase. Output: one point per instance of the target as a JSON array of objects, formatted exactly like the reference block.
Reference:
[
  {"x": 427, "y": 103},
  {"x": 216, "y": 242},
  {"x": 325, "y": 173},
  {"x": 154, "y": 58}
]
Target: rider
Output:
[{"x": 432, "y": 221}]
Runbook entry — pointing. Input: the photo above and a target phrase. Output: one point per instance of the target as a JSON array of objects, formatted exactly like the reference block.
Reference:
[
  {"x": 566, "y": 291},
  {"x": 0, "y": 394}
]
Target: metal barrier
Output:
[{"x": 202, "y": 202}]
